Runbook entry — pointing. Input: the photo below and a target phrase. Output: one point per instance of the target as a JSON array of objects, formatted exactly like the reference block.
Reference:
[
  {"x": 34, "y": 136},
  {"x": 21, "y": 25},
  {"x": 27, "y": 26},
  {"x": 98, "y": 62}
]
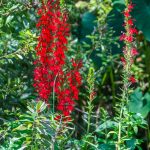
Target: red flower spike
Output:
[
  {"x": 50, "y": 50},
  {"x": 128, "y": 38}
]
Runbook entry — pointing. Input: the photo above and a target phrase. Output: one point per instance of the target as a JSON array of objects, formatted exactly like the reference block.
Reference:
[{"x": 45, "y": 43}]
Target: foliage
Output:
[
  {"x": 16, "y": 53},
  {"x": 26, "y": 122},
  {"x": 36, "y": 129},
  {"x": 140, "y": 103}
]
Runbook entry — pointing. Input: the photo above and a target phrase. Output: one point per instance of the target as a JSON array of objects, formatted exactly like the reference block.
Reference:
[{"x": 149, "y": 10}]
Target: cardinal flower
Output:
[
  {"x": 50, "y": 73},
  {"x": 128, "y": 37}
]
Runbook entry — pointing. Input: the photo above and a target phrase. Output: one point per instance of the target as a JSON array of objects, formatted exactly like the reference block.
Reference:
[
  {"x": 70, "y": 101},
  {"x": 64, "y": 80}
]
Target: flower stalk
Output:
[
  {"x": 90, "y": 81},
  {"x": 129, "y": 52}
]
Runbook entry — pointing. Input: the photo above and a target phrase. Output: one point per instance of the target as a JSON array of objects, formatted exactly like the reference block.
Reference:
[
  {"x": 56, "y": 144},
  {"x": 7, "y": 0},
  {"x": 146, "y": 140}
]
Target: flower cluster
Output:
[
  {"x": 49, "y": 74},
  {"x": 128, "y": 37},
  {"x": 69, "y": 91}
]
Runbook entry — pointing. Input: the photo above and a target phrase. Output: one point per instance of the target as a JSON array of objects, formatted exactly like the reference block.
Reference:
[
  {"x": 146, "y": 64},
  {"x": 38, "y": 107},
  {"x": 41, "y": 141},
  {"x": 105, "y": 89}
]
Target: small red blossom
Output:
[
  {"x": 67, "y": 119},
  {"x": 130, "y": 6},
  {"x": 133, "y": 31},
  {"x": 58, "y": 118},
  {"x": 130, "y": 22},
  {"x": 132, "y": 79},
  {"x": 92, "y": 95},
  {"x": 129, "y": 38},
  {"x": 61, "y": 118},
  {"x": 122, "y": 37},
  {"x": 126, "y": 13},
  {"x": 134, "y": 52},
  {"x": 123, "y": 60}
]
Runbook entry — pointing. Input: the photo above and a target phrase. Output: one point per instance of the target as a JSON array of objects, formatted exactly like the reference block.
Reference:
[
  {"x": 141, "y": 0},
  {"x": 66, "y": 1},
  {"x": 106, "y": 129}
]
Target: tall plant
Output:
[{"x": 129, "y": 52}]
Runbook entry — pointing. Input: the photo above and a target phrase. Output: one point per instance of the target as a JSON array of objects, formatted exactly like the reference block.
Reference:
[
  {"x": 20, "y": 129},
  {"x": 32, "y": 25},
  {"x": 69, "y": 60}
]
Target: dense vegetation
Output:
[{"x": 74, "y": 75}]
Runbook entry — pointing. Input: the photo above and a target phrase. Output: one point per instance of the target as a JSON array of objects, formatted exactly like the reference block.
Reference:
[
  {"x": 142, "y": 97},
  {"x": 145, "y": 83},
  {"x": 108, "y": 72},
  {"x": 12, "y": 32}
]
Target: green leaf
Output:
[
  {"x": 106, "y": 125},
  {"x": 106, "y": 147},
  {"x": 41, "y": 106},
  {"x": 14, "y": 7},
  {"x": 87, "y": 26},
  {"x": 23, "y": 147},
  {"x": 25, "y": 96},
  {"x": 119, "y": 4},
  {"x": 81, "y": 4},
  {"x": 19, "y": 56},
  {"x": 21, "y": 127},
  {"x": 30, "y": 109},
  {"x": 131, "y": 143},
  {"x": 9, "y": 19},
  {"x": 56, "y": 146},
  {"x": 139, "y": 103},
  {"x": 142, "y": 15}
]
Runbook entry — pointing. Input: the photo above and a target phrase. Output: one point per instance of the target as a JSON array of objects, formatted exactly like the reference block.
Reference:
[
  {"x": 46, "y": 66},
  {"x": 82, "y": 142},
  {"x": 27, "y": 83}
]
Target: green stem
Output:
[
  {"x": 119, "y": 129},
  {"x": 126, "y": 85},
  {"x": 54, "y": 93},
  {"x": 89, "y": 117},
  {"x": 113, "y": 84}
]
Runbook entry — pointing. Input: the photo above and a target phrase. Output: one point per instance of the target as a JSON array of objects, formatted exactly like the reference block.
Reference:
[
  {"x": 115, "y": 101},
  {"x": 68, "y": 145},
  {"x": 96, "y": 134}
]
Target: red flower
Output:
[
  {"x": 126, "y": 13},
  {"x": 132, "y": 79},
  {"x": 130, "y": 6},
  {"x": 130, "y": 22},
  {"x": 126, "y": 38},
  {"x": 134, "y": 52},
  {"x": 133, "y": 31},
  {"x": 122, "y": 37},
  {"x": 58, "y": 118},
  {"x": 123, "y": 60},
  {"x": 129, "y": 38},
  {"x": 64, "y": 119}
]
